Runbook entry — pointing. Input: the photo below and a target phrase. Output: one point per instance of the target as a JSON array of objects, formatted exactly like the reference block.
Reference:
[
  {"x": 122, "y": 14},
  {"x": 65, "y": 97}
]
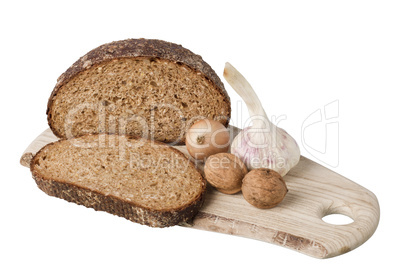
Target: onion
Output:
[{"x": 207, "y": 137}]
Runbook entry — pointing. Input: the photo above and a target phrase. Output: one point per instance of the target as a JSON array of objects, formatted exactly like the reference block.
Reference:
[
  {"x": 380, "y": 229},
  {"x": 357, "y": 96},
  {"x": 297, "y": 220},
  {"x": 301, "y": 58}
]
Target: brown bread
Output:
[
  {"x": 141, "y": 87},
  {"x": 144, "y": 181}
]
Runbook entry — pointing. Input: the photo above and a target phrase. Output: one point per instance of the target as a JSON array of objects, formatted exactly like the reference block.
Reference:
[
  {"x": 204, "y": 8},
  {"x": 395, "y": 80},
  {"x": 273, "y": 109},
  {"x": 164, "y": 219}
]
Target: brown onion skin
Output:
[{"x": 207, "y": 137}]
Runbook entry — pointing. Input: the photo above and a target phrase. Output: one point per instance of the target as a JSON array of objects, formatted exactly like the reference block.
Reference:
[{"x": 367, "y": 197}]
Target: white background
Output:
[{"x": 298, "y": 55}]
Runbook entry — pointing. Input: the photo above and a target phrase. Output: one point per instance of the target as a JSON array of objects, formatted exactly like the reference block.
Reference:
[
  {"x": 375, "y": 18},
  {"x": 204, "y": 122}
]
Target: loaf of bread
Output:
[
  {"x": 144, "y": 181},
  {"x": 148, "y": 88}
]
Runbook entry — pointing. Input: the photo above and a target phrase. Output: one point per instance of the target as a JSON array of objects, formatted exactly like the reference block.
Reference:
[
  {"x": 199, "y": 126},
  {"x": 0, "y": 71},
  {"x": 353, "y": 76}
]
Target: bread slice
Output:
[
  {"x": 143, "y": 181},
  {"x": 149, "y": 88}
]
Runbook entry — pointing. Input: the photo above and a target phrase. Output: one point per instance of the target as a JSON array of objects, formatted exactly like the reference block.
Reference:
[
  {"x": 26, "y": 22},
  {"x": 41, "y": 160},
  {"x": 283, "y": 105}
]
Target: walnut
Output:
[
  {"x": 264, "y": 188},
  {"x": 225, "y": 172}
]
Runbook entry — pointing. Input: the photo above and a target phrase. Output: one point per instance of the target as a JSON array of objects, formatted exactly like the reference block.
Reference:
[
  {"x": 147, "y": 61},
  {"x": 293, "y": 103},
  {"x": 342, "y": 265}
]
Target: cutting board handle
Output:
[{"x": 296, "y": 223}]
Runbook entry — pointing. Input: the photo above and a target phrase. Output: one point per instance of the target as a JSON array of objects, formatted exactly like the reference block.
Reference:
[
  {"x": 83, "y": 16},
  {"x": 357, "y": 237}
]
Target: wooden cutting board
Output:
[{"x": 296, "y": 223}]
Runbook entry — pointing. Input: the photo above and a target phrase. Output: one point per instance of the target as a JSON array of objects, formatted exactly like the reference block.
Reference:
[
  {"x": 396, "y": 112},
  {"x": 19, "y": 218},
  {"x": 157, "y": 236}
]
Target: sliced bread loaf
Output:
[
  {"x": 149, "y": 88},
  {"x": 144, "y": 181}
]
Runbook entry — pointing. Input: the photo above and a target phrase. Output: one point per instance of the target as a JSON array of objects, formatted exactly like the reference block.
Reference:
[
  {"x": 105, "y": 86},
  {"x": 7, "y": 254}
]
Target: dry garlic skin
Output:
[
  {"x": 263, "y": 145},
  {"x": 275, "y": 150}
]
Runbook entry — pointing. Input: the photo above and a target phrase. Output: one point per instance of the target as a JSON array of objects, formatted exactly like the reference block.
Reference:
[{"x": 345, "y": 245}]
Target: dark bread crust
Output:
[
  {"x": 134, "y": 48},
  {"x": 114, "y": 205}
]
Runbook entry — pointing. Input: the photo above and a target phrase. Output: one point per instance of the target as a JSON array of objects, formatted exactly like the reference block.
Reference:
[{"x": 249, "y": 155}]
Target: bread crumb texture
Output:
[
  {"x": 127, "y": 93},
  {"x": 149, "y": 176}
]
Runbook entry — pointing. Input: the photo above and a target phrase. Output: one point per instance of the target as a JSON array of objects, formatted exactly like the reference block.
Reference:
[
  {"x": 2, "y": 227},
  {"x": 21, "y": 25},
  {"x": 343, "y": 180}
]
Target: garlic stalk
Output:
[{"x": 263, "y": 144}]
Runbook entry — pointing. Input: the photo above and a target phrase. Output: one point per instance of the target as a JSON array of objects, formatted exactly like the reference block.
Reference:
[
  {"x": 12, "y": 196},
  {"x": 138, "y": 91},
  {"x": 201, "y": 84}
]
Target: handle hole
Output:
[{"x": 337, "y": 219}]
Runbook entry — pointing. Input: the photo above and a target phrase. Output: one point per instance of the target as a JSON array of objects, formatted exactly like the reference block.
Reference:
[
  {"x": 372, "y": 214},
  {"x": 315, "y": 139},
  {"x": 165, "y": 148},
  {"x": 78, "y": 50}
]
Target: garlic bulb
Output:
[{"x": 263, "y": 144}]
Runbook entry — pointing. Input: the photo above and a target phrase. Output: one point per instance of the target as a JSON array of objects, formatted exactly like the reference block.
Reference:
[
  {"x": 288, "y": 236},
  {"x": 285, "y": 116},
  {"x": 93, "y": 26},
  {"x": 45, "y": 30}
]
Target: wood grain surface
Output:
[{"x": 296, "y": 223}]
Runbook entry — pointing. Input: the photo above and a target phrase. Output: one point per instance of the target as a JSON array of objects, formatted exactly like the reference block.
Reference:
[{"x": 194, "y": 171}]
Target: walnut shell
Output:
[
  {"x": 225, "y": 172},
  {"x": 264, "y": 188}
]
